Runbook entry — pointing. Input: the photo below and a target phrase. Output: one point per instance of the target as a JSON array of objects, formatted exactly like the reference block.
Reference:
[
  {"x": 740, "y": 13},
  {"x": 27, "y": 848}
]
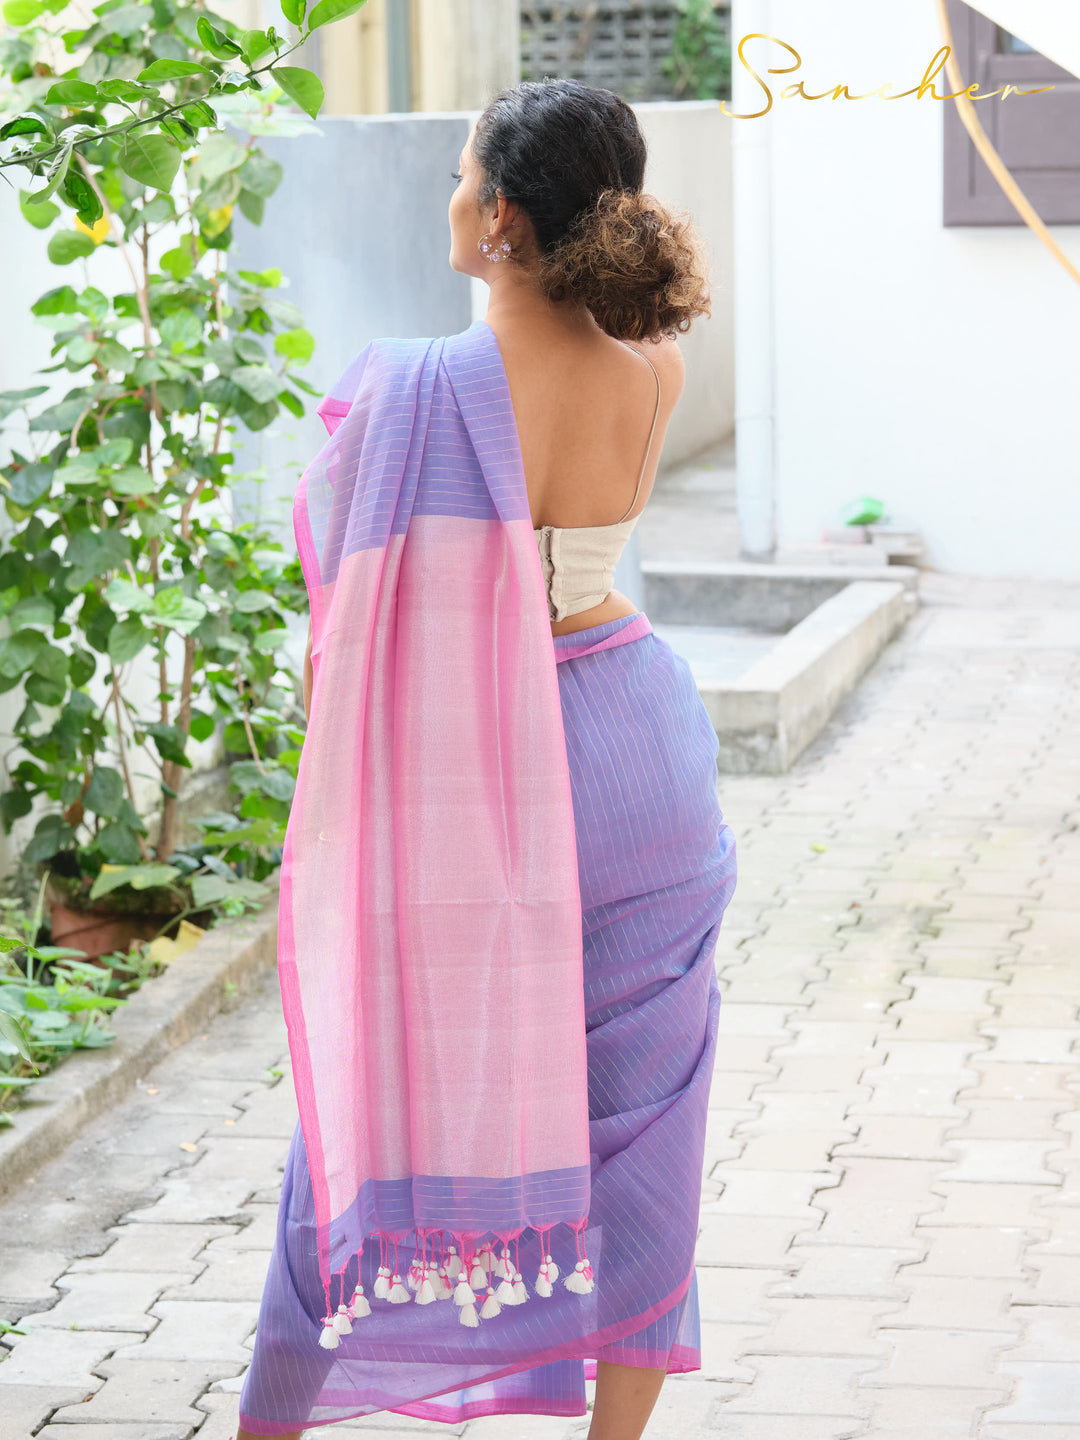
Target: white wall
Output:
[
  {"x": 689, "y": 166},
  {"x": 934, "y": 368}
]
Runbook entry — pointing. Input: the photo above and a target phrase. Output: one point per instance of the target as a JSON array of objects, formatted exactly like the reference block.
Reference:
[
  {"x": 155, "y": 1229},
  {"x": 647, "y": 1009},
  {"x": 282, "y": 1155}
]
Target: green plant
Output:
[
  {"x": 50, "y": 1003},
  {"x": 699, "y": 66},
  {"x": 122, "y": 547}
]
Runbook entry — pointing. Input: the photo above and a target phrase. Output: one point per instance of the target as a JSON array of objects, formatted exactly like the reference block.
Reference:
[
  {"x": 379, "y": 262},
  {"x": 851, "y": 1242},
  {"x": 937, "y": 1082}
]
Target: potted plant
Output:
[{"x": 119, "y": 568}]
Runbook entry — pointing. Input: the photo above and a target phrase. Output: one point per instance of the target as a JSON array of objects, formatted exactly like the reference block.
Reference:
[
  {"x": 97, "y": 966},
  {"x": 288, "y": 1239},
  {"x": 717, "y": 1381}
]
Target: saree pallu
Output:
[{"x": 656, "y": 871}]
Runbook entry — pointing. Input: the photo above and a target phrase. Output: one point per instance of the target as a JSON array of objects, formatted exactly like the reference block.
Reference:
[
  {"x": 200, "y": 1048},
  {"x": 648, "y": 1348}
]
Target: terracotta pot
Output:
[{"x": 99, "y": 932}]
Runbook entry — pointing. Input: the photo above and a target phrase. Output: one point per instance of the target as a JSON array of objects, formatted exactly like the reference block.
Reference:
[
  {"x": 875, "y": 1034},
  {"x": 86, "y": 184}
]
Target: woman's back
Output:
[{"x": 584, "y": 406}]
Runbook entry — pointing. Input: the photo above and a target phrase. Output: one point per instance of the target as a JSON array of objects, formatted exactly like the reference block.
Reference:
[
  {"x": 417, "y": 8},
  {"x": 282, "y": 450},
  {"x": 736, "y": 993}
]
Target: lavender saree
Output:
[{"x": 502, "y": 885}]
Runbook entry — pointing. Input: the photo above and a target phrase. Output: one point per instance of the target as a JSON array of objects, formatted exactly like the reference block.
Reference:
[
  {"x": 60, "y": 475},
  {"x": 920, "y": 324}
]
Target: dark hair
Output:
[{"x": 573, "y": 157}]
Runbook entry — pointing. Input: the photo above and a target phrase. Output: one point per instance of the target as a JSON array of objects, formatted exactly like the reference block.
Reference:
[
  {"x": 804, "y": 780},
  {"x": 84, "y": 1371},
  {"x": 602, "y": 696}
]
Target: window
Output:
[{"x": 1037, "y": 136}]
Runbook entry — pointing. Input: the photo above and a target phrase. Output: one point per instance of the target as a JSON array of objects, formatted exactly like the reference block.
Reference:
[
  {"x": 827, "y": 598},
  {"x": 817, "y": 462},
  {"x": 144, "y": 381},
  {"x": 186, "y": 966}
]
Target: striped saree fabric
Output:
[{"x": 501, "y": 997}]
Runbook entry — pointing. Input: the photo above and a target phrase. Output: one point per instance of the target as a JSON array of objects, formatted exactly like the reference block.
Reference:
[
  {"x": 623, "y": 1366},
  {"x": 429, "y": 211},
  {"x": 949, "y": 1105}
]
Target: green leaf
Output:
[
  {"x": 151, "y": 160},
  {"x": 181, "y": 330},
  {"x": 254, "y": 44},
  {"x": 105, "y": 791},
  {"x": 125, "y": 90},
  {"x": 21, "y": 12},
  {"x": 201, "y": 727},
  {"x": 57, "y": 171},
  {"x": 23, "y": 125},
  {"x": 301, "y": 86},
  {"x": 292, "y": 403},
  {"x": 11, "y": 1032},
  {"x": 82, "y": 197},
  {"x": 123, "y": 594},
  {"x": 130, "y": 480},
  {"x": 178, "y": 262},
  {"x": 214, "y": 40},
  {"x": 162, "y": 70},
  {"x": 127, "y": 20},
  {"x": 327, "y": 11},
  {"x": 218, "y": 153},
  {"x": 258, "y": 381},
  {"x": 248, "y": 601},
  {"x": 298, "y": 345},
  {"x": 126, "y": 639},
  {"x": 251, "y": 206},
  {"x": 68, "y": 245},
  {"x": 40, "y": 216},
  {"x": 265, "y": 279},
  {"x": 74, "y": 93},
  {"x": 60, "y": 301},
  {"x": 293, "y": 10},
  {"x": 260, "y": 174}
]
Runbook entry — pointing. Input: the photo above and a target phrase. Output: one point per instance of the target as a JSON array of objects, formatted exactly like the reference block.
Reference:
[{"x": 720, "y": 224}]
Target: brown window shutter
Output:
[{"x": 1037, "y": 136}]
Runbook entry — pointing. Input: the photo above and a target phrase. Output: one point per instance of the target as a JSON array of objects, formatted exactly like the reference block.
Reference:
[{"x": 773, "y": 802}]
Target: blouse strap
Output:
[{"x": 652, "y": 431}]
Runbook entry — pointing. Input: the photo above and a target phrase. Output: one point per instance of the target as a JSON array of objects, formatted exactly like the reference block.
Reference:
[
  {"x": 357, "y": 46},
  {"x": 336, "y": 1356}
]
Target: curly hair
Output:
[{"x": 573, "y": 157}]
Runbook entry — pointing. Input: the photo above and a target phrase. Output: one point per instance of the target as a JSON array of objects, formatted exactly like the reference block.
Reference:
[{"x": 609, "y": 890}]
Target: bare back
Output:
[{"x": 584, "y": 405}]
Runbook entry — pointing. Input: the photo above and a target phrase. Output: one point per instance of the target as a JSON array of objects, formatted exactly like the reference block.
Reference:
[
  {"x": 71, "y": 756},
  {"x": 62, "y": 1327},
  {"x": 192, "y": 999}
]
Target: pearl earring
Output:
[{"x": 497, "y": 251}]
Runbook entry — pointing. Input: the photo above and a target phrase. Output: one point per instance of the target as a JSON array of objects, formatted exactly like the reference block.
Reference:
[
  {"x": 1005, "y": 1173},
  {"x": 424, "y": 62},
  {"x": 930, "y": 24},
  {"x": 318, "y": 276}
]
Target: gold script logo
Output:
[{"x": 797, "y": 88}]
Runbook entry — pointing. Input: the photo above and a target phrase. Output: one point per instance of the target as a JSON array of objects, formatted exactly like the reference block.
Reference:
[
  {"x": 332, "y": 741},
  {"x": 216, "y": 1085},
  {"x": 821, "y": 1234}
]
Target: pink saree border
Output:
[{"x": 420, "y": 1410}]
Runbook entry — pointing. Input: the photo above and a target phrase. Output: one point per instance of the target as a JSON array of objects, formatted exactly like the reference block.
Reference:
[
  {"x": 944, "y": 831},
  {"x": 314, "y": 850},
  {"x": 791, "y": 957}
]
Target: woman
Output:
[{"x": 506, "y": 868}]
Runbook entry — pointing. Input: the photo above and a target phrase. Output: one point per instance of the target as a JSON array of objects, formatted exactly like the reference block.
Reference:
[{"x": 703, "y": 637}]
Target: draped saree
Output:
[{"x": 504, "y": 876}]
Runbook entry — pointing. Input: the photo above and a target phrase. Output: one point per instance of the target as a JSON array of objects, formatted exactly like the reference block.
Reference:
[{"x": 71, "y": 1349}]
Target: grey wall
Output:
[{"x": 359, "y": 227}]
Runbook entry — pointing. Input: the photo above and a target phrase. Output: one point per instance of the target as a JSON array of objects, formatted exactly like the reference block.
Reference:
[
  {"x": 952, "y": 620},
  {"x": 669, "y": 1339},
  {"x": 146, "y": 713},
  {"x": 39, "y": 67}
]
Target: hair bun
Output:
[{"x": 638, "y": 267}]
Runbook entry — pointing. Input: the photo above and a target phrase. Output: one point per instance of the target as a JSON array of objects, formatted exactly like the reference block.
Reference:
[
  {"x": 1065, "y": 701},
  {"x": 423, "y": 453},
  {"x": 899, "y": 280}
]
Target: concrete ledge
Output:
[
  {"x": 164, "y": 1013},
  {"x": 759, "y": 595},
  {"x": 766, "y": 718}
]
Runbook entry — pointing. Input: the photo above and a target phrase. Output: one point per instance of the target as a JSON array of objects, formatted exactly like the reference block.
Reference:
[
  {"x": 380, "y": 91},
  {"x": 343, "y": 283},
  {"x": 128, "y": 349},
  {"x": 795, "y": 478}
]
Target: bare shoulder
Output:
[{"x": 668, "y": 360}]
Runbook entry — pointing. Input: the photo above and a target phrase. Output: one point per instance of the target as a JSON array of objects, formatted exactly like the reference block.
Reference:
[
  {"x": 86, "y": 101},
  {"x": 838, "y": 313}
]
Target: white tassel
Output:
[
  {"x": 398, "y": 1294},
  {"x": 463, "y": 1294},
  {"x": 443, "y": 1288},
  {"x": 478, "y": 1276},
  {"x": 415, "y": 1277},
  {"x": 502, "y": 1265},
  {"x": 426, "y": 1294},
  {"x": 381, "y": 1288},
  {"x": 520, "y": 1293},
  {"x": 491, "y": 1306},
  {"x": 505, "y": 1293},
  {"x": 578, "y": 1280},
  {"x": 329, "y": 1339},
  {"x": 358, "y": 1305},
  {"x": 543, "y": 1284},
  {"x": 553, "y": 1269},
  {"x": 342, "y": 1323},
  {"x": 453, "y": 1265},
  {"x": 467, "y": 1315}
]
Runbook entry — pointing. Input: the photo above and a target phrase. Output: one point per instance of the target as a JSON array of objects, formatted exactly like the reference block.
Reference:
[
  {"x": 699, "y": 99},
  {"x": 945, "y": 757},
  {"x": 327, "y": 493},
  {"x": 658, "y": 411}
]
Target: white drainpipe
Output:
[{"x": 755, "y": 454}]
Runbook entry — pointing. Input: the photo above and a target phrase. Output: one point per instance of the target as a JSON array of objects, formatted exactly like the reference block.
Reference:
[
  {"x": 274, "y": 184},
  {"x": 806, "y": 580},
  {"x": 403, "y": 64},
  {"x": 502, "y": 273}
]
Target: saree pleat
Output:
[{"x": 656, "y": 871}]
